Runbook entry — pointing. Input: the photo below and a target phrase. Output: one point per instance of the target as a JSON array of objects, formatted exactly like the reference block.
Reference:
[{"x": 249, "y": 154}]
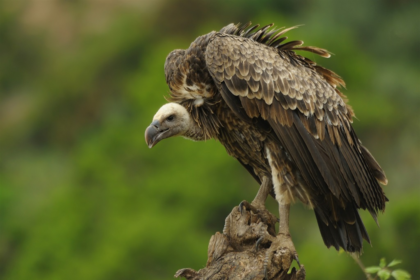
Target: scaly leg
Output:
[
  {"x": 260, "y": 198},
  {"x": 282, "y": 245},
  {"x": 282, "y": 250}
]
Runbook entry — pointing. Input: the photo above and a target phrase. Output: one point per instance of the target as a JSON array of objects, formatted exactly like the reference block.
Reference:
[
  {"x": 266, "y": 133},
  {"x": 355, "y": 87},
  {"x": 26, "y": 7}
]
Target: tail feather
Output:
[
  {"x": 348, "y": 236},
  {"x": 374, "y": 166}
]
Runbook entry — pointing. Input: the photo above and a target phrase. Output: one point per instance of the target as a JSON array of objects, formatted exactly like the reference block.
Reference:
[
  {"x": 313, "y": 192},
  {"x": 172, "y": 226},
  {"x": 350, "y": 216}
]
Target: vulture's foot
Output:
[
  {"x": 257, "y": 206},
  {"x": 246, "y": 206},
  {"x": 261, "y": 213},
  {"x": 281, "y": 253}
]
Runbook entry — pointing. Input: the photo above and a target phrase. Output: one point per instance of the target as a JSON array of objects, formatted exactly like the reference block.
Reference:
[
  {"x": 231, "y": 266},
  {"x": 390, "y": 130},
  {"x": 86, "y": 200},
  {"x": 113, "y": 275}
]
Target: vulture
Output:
[{"x": 283, "y": 118}]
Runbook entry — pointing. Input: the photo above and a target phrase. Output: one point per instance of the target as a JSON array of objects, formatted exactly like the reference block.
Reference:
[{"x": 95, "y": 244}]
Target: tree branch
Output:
[
  {"x": 359, "y": 262},
  {"x": 233, "y": 254}
]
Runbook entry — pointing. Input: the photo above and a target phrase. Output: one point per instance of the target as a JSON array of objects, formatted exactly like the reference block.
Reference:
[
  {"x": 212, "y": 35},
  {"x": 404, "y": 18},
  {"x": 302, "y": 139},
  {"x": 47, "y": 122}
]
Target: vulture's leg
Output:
[
  {"x": 283, "y": 239},
  {"x": 282, "y": 250},
  {"x": 260, "y": 198}
]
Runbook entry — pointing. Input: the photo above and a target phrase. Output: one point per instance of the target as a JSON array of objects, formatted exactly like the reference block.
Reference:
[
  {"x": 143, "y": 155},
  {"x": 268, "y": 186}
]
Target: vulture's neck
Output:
[
  {"x": 204, "y": 124},
  {"x": 195, "y": 132}
]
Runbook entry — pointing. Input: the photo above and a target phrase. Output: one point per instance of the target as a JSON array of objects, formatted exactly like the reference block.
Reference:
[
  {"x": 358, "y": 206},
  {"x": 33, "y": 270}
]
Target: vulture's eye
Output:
[{"x": 170, "y": 118}]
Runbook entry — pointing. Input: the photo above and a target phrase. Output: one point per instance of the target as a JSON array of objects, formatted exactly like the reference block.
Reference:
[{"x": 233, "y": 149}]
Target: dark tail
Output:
[
  {"x": 374, "y": 166},
  {"x": 345, "y": 233}
]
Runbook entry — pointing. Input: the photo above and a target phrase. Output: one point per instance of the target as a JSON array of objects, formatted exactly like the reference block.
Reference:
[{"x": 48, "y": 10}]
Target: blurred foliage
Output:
[
  {"x": 81, "y": 195},
  {"x": 384, "y": 271}
]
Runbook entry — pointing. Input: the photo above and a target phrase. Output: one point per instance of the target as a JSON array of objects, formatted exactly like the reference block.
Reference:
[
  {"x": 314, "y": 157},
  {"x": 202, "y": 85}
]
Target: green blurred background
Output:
[{"x": 81, "y": 195}]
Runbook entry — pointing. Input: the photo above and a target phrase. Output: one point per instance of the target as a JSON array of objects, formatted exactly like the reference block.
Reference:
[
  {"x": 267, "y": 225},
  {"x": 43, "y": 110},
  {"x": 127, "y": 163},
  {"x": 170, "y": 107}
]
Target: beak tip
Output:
[
  {"x": 150, "y": 135},
  {"x": 147, "y": 136}
]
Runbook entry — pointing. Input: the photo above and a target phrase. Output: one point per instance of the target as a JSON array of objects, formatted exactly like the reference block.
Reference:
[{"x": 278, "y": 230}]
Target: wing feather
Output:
[
  {"x": 237, "y": 86},
  {"x": 311, "y": 120}
]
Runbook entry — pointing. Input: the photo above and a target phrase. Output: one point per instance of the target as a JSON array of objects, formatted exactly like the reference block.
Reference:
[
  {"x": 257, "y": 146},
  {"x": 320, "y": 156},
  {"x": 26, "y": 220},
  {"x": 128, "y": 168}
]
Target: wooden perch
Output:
[{"x": 234, "y": 255}]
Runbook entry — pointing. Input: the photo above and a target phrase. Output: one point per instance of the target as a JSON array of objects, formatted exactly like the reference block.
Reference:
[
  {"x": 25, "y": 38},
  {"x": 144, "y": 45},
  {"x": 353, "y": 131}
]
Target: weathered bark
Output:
[{"x": 234, "y": 255}]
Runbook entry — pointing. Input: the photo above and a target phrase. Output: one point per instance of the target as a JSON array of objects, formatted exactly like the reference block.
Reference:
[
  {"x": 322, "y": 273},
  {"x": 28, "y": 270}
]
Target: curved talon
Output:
[
  {"x": 258, "y": 242},
  {"x": 248, "y": 206},
  {"x": 241, "y": 207},
  {"x": 297, "y": 260}
]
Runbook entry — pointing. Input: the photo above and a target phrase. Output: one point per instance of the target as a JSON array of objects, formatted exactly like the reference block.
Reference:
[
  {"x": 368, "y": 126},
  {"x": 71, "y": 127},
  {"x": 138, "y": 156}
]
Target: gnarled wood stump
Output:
[{"x": 234, "y": 254}]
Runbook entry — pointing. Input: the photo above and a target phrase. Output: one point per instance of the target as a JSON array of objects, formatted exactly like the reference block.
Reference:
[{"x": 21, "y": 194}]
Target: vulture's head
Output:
[{"x": 170, "y": 120}]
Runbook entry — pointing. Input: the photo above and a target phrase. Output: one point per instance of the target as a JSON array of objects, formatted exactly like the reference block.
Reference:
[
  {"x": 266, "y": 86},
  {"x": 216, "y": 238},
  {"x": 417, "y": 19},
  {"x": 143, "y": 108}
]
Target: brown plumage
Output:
[{"x": 283, "y": 117}]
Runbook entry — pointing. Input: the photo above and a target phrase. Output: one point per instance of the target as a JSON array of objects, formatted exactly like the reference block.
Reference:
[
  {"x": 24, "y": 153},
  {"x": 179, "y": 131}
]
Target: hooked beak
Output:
[{"x": 154, "y": 133}]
